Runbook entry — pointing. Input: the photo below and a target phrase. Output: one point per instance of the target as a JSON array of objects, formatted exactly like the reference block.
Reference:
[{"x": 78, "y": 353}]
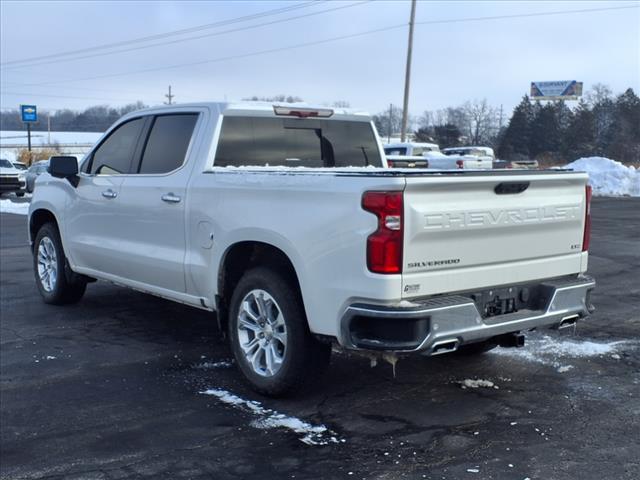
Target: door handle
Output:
[
  {"x": 170, "y": 198},
  {"x": 109, "y": 194}
]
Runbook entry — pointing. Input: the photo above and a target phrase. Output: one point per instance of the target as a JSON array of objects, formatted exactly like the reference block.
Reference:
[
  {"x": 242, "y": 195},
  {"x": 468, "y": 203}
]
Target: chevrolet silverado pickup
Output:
[{"x": 286, "y": 222}]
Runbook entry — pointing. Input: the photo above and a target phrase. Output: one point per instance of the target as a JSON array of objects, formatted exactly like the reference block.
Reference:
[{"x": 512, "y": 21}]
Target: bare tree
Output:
[
  {"x": 480, "y": 121},
  {"x": 599, "y": 93}
]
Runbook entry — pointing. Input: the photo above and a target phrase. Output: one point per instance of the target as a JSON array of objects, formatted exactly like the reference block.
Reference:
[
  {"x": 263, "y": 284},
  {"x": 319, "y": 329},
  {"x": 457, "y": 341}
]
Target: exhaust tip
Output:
[
  {"x": 569, "y": 321},
  {"x": 444, "y": 346}
]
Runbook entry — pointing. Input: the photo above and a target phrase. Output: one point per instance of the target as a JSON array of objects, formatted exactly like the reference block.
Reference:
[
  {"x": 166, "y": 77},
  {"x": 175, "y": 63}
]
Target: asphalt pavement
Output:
[{"x": 113, "y": 388}]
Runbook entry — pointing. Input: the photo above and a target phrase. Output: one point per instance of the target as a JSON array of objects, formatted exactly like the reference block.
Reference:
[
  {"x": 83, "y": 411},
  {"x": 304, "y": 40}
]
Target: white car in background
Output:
[
  {"x": 11, "y": 179},
  {"x": 428, "y": 155}
]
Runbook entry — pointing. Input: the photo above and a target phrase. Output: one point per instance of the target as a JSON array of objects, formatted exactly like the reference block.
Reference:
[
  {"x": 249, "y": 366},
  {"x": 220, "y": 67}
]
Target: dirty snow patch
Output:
[
  {"x": 470, "y": 383},
  {"x": 549, "y": 351},
  {"x": 208, "y": 365},
  {"x": 608, "y": 177},
  {"x": 7, "y": 206},
  {"x": 266, "y": 418}
]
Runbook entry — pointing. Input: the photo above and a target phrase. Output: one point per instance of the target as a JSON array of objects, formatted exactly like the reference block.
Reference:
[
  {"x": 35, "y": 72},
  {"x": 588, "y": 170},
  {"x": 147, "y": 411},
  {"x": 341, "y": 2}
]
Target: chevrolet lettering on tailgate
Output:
[{"x": 482, "y": 218}]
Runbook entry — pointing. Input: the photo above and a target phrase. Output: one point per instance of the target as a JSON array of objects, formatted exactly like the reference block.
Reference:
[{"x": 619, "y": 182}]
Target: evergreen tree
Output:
[
  {"x": 515, "y": 141},
  {"x": 579, "y": 138},
  {"x": 624, "y": 144},
  {"x": 447, "y": 135},
  {"x": 545, "y": 131}
]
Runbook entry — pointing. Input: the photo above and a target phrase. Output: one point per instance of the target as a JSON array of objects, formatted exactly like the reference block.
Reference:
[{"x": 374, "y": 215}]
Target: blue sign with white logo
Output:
[{"x": 29, "y": 113}]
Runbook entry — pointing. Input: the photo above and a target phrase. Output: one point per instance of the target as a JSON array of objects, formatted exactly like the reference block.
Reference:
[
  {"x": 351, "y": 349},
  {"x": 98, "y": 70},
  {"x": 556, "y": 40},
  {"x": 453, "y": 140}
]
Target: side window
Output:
[
  {"x": 167, "y": 143},
  {"x": 116, "y": 152}
]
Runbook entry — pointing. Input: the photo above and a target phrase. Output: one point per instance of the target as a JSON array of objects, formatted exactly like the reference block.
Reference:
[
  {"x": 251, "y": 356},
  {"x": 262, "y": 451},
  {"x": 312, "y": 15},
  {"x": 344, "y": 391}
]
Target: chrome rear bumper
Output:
[{"x": 441, "y": 324}]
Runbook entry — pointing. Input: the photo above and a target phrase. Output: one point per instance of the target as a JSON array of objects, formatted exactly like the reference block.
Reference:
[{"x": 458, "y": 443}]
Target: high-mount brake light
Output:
[
  {"x": 384, "y": 246},
  {"x": 587, "y": 220},
  {"x": 302, "y": 112}
]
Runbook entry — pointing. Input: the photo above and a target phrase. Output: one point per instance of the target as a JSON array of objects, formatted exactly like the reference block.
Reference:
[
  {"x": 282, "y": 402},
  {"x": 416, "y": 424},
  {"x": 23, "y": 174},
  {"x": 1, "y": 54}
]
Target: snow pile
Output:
[
  {"x": 267, "y": 418},
  {"x": 7, "y": 206},
  {"x": 608, "y": 177}
]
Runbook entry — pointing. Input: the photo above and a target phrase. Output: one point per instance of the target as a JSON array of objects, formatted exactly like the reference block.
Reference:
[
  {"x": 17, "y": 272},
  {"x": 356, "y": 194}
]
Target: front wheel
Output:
[
  {"x": 269, "y": 335},
  {"x": 56, "y": 282}
]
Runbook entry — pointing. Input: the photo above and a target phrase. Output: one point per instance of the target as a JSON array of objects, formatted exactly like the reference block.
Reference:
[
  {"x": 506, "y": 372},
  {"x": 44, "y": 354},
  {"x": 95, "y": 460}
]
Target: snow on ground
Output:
[
  {"x": 470, "y": 383},
  {"x": 7, "y": 206},
  {"x": 608, "y": 177},
  {"x": 266, "y": 418},
  {"x": 16, "y": 137},
  {"x": 552, "y": 352},
  {"x": 208, "y": 365}
]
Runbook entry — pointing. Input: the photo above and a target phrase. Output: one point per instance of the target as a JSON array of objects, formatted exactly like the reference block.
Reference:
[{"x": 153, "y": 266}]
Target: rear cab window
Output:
[{"x": 291, "y": 142}]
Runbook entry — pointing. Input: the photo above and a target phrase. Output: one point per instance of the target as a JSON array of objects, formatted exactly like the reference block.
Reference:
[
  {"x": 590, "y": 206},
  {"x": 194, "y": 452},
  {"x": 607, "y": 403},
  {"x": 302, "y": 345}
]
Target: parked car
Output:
[
  {"x": 410, "y": 153},
  {"x": 411, "y": 149},
  {"x": 525, "y": 164},
  {"x": 20, "y": 165},
  {"x": 473, "y": 151},
  {"x": 404, "y": 161},
  {"x": 204, "y": 204},
  {"x": 34, "y": 172},
  {"x": 11, "y": 179}
]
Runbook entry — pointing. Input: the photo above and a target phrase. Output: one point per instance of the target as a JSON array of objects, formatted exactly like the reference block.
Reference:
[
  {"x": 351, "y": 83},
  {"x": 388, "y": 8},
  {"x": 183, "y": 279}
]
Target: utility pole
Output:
[
  {"x": 390, "y": 122},
  {"x": 407, "y": 76},
  {"x": 49, "y": 128},
  {"x": 169, "y": 97}
]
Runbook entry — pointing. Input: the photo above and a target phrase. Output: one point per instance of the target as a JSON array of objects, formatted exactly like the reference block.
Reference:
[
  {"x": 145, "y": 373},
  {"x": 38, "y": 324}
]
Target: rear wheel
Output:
[
  {"x": 56, "y": 282},
  {"x": 269, "y": 335}
]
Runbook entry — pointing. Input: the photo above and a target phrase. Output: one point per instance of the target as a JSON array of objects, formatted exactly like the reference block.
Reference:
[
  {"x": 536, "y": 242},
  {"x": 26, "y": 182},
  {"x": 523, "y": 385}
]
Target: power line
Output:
[
  {"x": 3, "y": 92},
  {"x": 159, "y": 36},
  {"x": 231, "y": 57},
  {"x": 523, "y": 15},
  {"x": 180, "y": 40},
  {"x": 327, "y": 40}
]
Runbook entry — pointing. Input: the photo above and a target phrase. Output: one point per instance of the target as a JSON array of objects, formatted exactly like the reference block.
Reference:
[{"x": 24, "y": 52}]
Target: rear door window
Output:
[
  {"x": 168, "y": 142},
  {"x": 265, "y": 141}
]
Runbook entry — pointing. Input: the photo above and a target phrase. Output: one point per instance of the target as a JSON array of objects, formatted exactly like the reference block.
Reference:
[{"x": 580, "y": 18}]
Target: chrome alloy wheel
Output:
[
  {"x": 262, "y": 333},
  {"x": 47, "y": 264}
]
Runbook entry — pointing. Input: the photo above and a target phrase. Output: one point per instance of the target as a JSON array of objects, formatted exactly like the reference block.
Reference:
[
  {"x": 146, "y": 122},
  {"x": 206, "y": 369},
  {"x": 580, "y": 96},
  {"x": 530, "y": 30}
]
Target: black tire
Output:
[
  {"x": 68, "y": 286},
  {"x": 477, "y": 348},
  {"x": 304, "y": 357}
]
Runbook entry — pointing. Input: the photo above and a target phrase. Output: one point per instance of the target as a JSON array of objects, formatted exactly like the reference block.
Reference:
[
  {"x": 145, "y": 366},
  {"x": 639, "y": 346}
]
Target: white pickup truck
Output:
[{"x": 206, "y": 204}]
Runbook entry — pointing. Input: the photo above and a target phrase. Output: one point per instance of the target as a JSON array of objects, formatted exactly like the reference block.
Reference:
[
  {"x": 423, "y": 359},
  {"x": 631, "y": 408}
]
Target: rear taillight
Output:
[
  {"x": 587, "y": 220},
  {"x": 384, "y": 246},
  {"x": 460, "y": 163}
]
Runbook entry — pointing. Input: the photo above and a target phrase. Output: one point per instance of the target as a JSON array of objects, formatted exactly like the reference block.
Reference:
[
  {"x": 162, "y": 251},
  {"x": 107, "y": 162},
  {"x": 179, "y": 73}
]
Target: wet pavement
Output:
[{"x": 113, "y": 388}]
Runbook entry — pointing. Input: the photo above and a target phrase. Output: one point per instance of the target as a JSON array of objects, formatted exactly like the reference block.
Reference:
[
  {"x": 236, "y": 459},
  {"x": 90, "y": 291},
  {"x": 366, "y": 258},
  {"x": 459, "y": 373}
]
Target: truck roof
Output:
[{"x": 260, "y": 109}]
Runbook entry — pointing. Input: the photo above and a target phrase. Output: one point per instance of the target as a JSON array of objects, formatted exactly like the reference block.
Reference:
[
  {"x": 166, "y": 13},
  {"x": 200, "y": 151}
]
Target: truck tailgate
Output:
[{"x": 474, "y": 231}]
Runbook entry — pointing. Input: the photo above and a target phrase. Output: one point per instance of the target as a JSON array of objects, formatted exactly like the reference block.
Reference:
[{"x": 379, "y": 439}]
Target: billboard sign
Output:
[
  {"x": 560, "y": 90},
  {"x": 28, "y": 113}
]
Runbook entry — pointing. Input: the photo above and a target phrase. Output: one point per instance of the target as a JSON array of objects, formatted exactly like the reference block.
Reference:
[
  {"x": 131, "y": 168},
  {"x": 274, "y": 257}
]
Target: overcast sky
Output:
[{"x": 494, "y": 59}]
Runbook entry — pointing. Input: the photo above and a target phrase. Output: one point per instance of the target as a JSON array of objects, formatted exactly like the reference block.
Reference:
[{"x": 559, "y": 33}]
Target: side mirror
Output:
[{"x": 64, "y": 167}]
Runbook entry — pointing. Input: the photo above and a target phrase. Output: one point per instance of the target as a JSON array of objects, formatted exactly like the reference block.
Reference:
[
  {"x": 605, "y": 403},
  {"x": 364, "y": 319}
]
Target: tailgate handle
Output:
[{"x": 508, "y": 188}]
